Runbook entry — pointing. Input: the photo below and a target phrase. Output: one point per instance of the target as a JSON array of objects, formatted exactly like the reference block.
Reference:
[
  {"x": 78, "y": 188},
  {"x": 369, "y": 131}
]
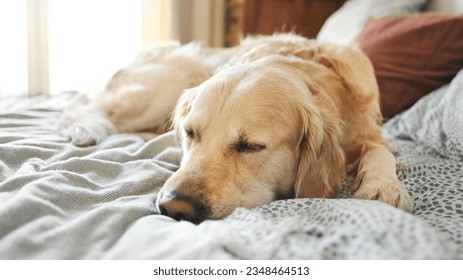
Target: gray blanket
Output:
[{"x": 58, "y": 201}]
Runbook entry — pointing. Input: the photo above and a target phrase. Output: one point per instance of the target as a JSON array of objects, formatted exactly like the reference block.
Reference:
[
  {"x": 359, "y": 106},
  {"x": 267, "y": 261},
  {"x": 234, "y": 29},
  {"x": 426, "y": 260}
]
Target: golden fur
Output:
[{"x": 283, "y": 117}]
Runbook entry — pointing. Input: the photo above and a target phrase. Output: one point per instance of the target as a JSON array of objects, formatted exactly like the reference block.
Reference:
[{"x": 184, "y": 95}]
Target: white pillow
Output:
[{"x": 344, "y": 25}]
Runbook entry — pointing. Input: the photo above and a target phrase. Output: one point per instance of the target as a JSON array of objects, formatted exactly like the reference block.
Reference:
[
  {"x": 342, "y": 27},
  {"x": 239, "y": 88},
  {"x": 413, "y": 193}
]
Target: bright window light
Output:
[
  {"x": 13, "y": 48},
  {"x": 90, "y": 40}
]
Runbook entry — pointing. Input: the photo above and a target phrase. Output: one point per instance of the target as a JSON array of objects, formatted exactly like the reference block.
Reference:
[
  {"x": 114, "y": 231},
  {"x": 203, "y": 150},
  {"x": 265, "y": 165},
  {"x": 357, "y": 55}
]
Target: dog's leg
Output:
[
  {"x": 377, "y": 179},
  {"x": 88, "y": 121}
]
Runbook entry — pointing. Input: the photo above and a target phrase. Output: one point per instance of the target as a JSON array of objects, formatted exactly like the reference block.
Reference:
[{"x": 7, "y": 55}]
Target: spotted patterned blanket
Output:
[{"x": 58, "y": 201}]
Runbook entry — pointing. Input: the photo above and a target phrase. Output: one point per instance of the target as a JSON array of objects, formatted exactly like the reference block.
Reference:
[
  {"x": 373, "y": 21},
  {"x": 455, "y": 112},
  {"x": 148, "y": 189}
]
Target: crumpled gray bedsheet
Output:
[{"x": 58, "y": 201}]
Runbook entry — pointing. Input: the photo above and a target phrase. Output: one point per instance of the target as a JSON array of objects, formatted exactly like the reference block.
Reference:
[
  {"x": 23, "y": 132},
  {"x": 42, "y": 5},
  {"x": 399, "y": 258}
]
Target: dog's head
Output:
[{"x": 251, "y": 134}]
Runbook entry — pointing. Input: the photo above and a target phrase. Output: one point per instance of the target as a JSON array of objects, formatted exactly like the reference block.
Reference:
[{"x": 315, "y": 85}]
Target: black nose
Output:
[{"x": 182, "y": 207}]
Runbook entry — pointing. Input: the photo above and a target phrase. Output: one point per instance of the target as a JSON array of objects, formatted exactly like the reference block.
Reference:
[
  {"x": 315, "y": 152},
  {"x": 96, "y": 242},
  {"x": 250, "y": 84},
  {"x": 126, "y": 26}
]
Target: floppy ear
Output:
[
  {"x": 321, "y": 164},
  {"x": 355, "y": 71},
  {"x": 321, "y": 161}
]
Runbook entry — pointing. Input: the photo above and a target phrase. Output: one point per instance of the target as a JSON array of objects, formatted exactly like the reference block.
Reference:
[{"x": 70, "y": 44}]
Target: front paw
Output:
[{"x": 388, "y": 190}]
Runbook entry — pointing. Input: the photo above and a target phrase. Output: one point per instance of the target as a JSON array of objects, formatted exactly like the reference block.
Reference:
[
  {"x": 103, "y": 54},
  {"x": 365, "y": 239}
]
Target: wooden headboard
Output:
[
  {"x": 446, "y": 6},
  {"x": 305, "y": 17}
]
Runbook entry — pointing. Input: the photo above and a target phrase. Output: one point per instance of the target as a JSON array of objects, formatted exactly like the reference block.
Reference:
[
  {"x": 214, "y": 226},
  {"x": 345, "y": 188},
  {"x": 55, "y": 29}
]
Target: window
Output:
[
  {"x": 89, "y": 40},
  {"x": 51, "y": 46},
  {"x": 13, "y": 48}
]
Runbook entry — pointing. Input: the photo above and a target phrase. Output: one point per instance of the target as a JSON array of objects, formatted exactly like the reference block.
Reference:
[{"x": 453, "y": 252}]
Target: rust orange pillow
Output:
[{"x": 412, "y": 56}]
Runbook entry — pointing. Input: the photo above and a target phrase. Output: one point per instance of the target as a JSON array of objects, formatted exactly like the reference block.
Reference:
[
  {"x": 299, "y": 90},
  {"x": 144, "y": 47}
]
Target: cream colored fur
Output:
[{"x": 282, "y": 116}]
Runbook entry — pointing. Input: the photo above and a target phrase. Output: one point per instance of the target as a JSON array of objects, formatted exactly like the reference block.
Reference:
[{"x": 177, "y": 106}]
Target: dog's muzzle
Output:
[{"x": 182, "y": 207}]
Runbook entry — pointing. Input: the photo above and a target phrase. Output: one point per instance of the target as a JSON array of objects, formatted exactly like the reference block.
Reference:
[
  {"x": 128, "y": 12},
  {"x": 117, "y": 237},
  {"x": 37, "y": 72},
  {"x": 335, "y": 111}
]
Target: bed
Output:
[{"x": 59, "y": 201}]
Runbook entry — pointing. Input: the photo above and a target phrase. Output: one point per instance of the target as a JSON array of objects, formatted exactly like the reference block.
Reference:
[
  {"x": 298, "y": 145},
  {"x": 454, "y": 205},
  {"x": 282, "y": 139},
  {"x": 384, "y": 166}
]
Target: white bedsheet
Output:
[{"x": 58, "y": 201}]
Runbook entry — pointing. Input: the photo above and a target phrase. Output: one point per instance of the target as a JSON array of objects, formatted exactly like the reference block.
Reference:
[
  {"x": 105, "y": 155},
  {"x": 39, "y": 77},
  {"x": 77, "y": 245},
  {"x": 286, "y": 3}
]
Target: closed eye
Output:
[
  {"x": 243, "y": 146},
  {"x": 189, "y": 133},
  {"x": 193, "y": 134}
]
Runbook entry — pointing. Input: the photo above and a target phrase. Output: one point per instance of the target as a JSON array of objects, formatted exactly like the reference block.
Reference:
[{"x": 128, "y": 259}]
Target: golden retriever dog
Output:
[{"x": 279, "y": 117}]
